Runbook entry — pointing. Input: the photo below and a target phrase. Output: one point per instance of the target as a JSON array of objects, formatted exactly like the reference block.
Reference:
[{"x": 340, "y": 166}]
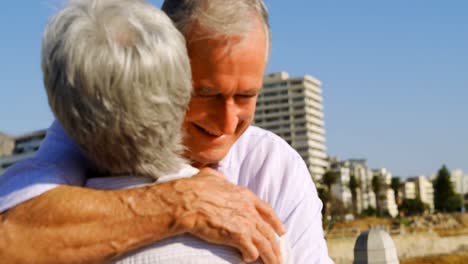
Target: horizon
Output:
[{"x": 394, "y": 76}]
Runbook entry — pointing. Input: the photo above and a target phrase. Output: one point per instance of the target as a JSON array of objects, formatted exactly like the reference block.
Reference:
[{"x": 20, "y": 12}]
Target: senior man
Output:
[{"x": 228, "y": 44}]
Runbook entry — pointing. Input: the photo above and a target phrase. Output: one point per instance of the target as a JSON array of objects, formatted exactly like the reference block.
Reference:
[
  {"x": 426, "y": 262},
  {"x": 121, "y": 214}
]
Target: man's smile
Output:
[{"x": 206, "y": 131}]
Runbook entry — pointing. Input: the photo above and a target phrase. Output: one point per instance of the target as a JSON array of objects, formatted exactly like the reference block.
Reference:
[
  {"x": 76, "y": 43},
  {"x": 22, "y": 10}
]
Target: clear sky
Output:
[{"x": 394, "y": 73}]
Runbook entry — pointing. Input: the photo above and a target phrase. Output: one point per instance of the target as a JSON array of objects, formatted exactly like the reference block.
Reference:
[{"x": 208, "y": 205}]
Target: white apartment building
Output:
[
  {"x": 422, "y": 189},
  {"x": 365, "y": 196},
  {"x": 292, "y": 108},
  {"x": 460, "y": 181},
  {"x": 389, "y": 203},
  {"x": 7, "y": 144},
  {"x": 341, "y": 188},
  {"x": 409, "y": 190},
  {"x": 13, "y": 149},
  {"x": 426, "y": 191}
]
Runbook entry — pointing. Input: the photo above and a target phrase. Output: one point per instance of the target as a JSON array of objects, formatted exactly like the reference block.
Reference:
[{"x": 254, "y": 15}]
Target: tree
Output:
[
  {"x": 328, "y": 179},
  {"x": 454, "y": 203},
  {"x": 377, "y": 186},
  {"x": 353, "y": 185},
  {"x": 445, "y": 198},
  {"x": 413, "y": 207},
  {"x": 369, "y": 211},
  {"x": 338, "y": 209},
  {"x": 395, "y": 185},
  {"x": 322, "y": 196}
]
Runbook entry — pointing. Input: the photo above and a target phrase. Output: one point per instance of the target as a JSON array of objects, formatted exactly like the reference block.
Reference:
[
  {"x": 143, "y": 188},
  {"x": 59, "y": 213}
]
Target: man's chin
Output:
[{"x": 207, "y": 158}]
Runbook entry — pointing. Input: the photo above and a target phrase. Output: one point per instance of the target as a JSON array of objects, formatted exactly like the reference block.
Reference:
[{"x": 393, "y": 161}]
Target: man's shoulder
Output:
[
  {"x": 256, "y": 138},
  {"x": 258, "y": 148},
  {"x": 254, "y": 131}
]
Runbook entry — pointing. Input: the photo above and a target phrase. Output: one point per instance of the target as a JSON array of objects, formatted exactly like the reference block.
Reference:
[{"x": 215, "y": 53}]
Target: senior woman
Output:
[{"x": 118, "y": 80}]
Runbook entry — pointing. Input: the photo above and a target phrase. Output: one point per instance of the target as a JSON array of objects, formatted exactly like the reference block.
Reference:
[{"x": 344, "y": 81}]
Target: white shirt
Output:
[
  {"x": 259, "y": 160},
  {"x": 183, "y": 249}
]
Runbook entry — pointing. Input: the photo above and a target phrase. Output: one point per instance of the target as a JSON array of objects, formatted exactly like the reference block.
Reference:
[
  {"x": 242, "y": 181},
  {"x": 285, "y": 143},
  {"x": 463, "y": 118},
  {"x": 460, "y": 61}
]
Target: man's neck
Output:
[{"x": 200, "y": 165}]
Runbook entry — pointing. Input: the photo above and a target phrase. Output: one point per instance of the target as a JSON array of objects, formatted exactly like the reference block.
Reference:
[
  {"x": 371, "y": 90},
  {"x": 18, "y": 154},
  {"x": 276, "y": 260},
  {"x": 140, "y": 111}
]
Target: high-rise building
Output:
[
  {"x": 292, "y": 108},
  {"x": 13, "y": 149}
]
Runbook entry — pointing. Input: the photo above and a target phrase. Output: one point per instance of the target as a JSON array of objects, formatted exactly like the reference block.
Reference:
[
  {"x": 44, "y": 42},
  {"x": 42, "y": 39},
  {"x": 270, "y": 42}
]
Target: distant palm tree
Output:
[
  {"x": 353, "y": 185},
  {"x": 377, "y": 186},
  {"x": 395, "y": 184},
  {"x": 328, "y": 179}
]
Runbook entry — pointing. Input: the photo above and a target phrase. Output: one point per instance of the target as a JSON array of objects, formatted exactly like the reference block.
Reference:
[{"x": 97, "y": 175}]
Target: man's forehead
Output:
[
  {"x": 198, "y": 32},
  {"x": 215, "y": 90},
  {"x": 224, "y": 45}
]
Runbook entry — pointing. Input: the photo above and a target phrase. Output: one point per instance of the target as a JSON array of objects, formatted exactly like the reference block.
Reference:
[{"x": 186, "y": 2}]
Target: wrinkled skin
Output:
[
  {"x": 227, "y": 78},
  {"x": 77, "y": 225}
]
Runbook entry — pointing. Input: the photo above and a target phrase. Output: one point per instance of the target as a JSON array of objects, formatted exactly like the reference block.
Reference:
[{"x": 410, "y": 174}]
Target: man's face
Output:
[{"x": 226, "y": 81}]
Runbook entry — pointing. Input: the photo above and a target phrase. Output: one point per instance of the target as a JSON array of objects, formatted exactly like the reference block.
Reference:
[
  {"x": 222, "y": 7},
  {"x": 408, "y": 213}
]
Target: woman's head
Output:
[{"x": 118, "y": 79}]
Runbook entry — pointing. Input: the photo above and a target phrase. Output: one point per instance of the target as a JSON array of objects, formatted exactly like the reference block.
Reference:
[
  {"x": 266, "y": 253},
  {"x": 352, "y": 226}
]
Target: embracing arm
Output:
[
  {"x": 68, "y": 224},
  {"x": 78, "y": 225}
]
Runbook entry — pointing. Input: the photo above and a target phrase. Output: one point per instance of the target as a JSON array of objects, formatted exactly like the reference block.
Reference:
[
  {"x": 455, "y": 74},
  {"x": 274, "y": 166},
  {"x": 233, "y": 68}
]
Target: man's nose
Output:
[{"x": 228, "y": 117}]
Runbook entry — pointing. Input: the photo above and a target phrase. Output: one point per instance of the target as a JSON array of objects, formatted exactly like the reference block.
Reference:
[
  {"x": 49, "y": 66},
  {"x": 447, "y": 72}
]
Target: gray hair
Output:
[
  {"x": 222, "y": 17},
  {"x": 118, "y": 79}
]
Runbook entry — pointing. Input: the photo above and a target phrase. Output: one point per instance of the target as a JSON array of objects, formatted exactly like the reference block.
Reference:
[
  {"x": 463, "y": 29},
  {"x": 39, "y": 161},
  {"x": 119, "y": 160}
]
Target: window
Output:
[
  {"x": 271, "y": 85},
  {"x": 298, "y": 99},
  {"x": 297, "y": 108},
  {"x": 269, "y": 94},
  {"x": 271, "y": 111},
  {"x": 19, "y": 151},
  {"x": 301, "y": 124},
  {"x": 301, "y": 133},
  {"x": 301, "y": 149},
  {"x": 6, "y": 165},
  {"x": 298, "y": 91}
]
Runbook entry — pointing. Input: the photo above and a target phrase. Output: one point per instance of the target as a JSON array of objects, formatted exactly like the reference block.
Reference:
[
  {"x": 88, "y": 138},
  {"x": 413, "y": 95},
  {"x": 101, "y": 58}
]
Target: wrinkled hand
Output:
[{"x": 217, "y": 211}]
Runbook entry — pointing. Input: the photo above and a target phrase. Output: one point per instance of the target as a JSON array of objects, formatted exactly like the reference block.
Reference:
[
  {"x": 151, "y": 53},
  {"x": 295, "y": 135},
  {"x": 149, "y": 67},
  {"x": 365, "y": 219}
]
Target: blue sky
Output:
[{"x": 394, "y": 73}]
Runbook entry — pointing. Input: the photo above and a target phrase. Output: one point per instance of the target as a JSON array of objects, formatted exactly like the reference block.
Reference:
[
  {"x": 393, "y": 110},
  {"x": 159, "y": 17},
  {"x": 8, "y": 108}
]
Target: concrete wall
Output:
[{"x": 408, "y": 246}]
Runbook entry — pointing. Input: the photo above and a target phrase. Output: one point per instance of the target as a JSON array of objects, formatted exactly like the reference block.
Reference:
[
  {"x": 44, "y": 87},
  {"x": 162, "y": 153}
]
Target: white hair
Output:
[
  {"x": 118, "y": 79},
  {"x": 222, "y": 17}
]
